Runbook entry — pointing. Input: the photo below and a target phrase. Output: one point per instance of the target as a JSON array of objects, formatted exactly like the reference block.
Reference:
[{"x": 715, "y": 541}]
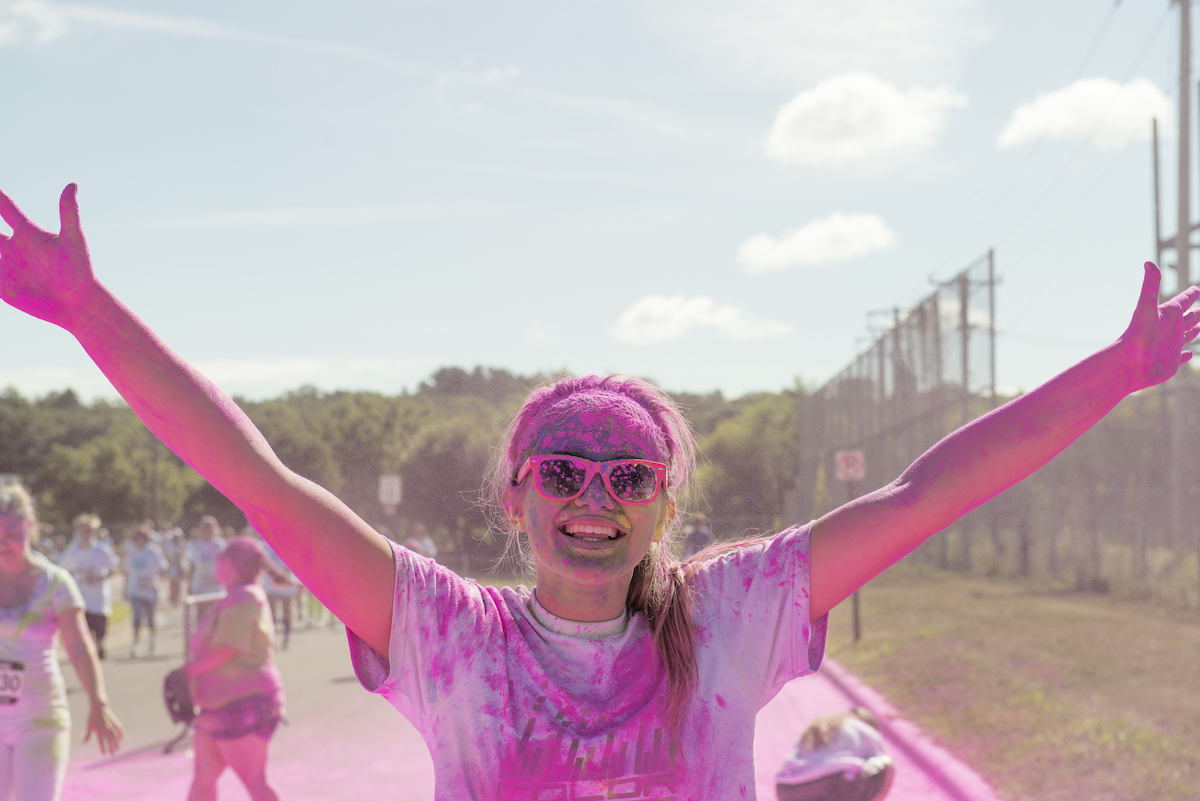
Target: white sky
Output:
[{"x": 353, "y": 194}]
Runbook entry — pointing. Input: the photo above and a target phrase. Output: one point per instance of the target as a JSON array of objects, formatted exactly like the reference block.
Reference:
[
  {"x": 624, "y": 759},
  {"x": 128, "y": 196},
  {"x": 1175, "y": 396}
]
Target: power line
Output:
[
  {"x": 1035, "y": 148},
  {"x": 1089, "y": 194},
  {"x": 1016, "y": 176}
]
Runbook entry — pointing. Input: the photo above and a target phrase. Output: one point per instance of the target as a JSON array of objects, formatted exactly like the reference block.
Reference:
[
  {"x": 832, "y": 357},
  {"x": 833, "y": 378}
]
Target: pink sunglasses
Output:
[{"x": 564, "y": 478}]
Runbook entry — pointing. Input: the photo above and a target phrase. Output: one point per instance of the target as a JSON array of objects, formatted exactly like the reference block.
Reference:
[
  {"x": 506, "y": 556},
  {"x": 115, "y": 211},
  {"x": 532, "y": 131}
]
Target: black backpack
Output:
[{"x": 178, "y": 697}]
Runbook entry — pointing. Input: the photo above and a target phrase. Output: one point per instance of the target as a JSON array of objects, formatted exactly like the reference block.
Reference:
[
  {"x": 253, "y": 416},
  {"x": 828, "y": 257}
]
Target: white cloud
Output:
[
  {"x": 661, "y": 318},
  {"x": 1108, "y": 113},
  {"x": 856, "y": 116},
  {"x": 239, "y": 371},
  {"x": 41, "y": 21},
  {"x": 838, "y": 237},
  {"x": 259, "y": 376},
  {"x": 270, "y": 218},
  {"x": 950, "y": 309},
  {"x": 785, "y": 41},
  {"x": 638, "y": 113}
]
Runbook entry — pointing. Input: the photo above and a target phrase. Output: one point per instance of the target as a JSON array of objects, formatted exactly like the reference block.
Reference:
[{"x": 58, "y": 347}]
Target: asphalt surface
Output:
[{"x": 341, "y": 742}]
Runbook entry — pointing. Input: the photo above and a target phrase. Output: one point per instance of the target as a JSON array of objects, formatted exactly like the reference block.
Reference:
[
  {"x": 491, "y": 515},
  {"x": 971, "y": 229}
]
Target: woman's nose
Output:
[{"x": 596, "y": 496}]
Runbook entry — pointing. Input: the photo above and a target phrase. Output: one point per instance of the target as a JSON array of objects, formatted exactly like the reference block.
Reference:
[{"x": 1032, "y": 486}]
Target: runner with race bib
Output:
[{"x": 38, "y": 600}]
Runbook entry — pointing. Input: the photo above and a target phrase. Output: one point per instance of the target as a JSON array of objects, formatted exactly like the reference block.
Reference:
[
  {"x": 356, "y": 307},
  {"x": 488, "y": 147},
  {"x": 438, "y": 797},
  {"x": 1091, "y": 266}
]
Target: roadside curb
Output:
[{"x": 956, "y": 777}]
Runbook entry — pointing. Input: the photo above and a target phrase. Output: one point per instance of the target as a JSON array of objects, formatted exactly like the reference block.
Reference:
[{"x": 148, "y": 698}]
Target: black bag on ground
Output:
[{"x": 178, "y": 697}]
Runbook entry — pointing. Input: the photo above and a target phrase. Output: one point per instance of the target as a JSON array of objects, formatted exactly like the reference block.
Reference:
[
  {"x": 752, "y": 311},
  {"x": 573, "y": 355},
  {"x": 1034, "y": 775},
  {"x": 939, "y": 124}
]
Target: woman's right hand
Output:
[
  {"x": 337, "y": 555},
  {"x": 104, "y": 724},
  {"x": 41, "y": 273}
]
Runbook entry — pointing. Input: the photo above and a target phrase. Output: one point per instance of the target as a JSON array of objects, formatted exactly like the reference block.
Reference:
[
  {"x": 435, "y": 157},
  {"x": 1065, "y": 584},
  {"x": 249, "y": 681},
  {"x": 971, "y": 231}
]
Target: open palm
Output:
[
  {"x": 1158, "y": 332},
  {"x": 42, "y": 273}
]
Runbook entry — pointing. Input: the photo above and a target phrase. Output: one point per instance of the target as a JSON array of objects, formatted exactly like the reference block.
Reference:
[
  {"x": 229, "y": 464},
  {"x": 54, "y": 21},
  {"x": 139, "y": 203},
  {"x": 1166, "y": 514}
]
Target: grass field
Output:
[{"x": 1052, "y": 696}]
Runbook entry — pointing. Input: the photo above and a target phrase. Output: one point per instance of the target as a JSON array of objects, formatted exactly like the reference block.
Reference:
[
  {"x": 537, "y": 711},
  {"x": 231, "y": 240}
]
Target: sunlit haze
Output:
[{"x": 713, "y": 195}]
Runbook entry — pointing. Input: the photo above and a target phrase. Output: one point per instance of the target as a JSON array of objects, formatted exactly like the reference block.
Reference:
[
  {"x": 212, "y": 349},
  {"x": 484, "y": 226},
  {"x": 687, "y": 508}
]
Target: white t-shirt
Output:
[
  {"x": 855, "y": 743},
  {"x": 202, "y": 554},
  {"x": 518, "y": 704},
  {"x": 32, "y": 693},
  {"x": 144, "y": 566},
  {"x": 86, "y": 564}
]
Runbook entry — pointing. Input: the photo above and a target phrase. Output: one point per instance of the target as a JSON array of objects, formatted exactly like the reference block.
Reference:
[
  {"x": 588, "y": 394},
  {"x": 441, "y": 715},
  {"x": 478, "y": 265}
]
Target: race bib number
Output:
[
  {"x": 144, "y": 584},
  {"x": 12, "y": 682}
]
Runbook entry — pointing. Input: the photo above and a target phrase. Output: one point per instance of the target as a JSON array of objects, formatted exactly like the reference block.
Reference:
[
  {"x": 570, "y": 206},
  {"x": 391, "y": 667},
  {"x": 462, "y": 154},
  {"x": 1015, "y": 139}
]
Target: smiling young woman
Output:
[{"x": 624, "y": 673}]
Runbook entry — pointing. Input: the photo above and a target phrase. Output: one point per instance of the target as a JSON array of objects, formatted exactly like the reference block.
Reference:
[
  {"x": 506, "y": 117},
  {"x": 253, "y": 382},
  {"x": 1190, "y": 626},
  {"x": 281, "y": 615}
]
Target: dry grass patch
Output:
[{"x": 1051, "y": 696}]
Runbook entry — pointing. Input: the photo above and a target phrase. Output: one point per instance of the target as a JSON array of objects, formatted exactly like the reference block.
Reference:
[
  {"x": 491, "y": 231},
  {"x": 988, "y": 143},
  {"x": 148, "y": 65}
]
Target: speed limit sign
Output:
[{"x": 849, "y": 465}]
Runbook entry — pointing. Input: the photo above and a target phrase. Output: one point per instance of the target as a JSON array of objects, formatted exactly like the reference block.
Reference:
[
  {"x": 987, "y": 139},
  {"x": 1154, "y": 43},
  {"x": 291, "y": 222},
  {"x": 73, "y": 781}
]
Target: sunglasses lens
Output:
[
  {"x": 560, "y": 478},
  {"x": 632, "y": 483}
]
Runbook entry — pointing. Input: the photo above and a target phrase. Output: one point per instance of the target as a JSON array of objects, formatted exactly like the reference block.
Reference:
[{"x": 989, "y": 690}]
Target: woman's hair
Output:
[
  {"x": 822, "y": 731},
  {"x": 16, "y": 500},
  {"x": 249, "y": 560},
  {"x": 659, "y": 587}
]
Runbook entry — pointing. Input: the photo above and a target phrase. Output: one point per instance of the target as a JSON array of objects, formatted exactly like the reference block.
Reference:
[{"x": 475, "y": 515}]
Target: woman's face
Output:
[
  {"x": 15, "y": 535},
  {"x": 564, "y": 548}
]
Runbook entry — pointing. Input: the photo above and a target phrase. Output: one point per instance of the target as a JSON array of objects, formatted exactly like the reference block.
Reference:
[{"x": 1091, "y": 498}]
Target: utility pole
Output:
[
  {"x": 1183, "y": 258},
  {"x": 1181, "y": 241},
  {"x": 1158, "y": 240},
  {"x": 1183, "y": 234}
]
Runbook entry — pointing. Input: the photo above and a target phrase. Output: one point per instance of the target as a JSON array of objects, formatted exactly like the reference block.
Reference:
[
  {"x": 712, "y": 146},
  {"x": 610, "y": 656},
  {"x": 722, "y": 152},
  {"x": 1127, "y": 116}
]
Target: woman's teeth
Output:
[{"x": 590, "y": 532}]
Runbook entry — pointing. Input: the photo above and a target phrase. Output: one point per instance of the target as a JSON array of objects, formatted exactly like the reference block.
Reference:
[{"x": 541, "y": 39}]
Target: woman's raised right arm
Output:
[{"x": 341, "y": 559}]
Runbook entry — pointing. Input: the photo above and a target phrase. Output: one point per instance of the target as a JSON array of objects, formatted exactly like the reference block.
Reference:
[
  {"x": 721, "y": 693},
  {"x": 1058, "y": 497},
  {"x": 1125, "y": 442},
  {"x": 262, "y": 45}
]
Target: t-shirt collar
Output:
[{"x": 576, "y": 628}]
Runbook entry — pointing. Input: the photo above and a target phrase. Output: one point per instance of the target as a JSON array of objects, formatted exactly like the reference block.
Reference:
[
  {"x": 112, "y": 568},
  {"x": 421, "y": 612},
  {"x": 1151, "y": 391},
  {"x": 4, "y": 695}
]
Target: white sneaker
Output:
[{"x": 136, "y": 651}]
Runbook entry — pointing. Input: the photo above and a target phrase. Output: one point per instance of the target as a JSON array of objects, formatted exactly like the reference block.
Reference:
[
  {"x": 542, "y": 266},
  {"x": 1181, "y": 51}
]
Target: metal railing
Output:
[{"x": 189, "y": 604}]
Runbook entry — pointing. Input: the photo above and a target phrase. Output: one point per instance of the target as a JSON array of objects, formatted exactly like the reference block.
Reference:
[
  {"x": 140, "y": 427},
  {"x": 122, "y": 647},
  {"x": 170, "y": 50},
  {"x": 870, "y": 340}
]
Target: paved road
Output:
[{"x": 344, "y": 743}]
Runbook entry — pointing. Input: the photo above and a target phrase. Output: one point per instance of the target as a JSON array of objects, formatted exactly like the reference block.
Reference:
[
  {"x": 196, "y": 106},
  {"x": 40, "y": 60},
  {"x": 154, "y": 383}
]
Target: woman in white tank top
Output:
[{"x": 38, "y": 600}]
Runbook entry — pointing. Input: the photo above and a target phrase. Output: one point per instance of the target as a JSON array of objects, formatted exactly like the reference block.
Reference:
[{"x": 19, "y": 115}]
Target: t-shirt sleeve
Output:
[
  {"x": 236, "y": 626},
  {"x": 64, "y": 592},
  {"x": 754, "y": 604},
  {"x": 441, "y": 625}
]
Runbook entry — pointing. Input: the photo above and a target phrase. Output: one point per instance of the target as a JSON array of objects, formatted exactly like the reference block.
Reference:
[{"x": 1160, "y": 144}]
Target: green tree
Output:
[
  {"x": 111, "y": 475},
  {"x": 749, "y": 462}
]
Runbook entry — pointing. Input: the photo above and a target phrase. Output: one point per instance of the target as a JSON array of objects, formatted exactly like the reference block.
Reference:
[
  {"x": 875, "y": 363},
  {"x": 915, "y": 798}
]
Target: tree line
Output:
[{"x": 98, "y": 457}]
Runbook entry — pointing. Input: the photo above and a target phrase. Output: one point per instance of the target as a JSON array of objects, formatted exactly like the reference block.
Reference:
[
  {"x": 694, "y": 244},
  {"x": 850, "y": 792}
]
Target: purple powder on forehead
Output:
[
  {"x": 612, "y": 414},
  {"x": 603, "y": 420}
]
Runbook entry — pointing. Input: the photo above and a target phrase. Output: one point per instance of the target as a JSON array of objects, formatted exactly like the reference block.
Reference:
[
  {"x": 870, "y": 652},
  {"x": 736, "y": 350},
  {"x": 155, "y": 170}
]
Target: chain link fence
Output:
[{"x": 1097, "y": 518}]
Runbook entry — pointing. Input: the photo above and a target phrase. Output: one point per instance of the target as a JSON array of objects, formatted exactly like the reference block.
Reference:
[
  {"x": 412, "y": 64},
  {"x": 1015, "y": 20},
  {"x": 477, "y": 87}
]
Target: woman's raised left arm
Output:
[{"x": 853, "y": 544}]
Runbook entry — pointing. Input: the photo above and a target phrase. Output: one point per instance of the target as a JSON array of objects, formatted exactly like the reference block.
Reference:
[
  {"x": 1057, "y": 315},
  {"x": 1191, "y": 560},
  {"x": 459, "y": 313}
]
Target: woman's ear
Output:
[
  {"x": 664, "y": 522},
  {"x": 513, "y": 500}
]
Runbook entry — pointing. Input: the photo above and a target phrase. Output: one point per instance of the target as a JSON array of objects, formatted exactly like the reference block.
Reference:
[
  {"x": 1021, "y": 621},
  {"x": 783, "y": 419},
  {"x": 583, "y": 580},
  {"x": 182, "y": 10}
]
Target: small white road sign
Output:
[
  {"x": 849, "y": 465},
  {"x": 390, "y": 489}
]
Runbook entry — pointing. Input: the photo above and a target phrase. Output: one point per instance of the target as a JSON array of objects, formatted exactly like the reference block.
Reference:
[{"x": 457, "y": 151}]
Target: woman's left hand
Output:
[
  {"x": 107, "y": 728},
  {"x": 1154, "y": 341}
]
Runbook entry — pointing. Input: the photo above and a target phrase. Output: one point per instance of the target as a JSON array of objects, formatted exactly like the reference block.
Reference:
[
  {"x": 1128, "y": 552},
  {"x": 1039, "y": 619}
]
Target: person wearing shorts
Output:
[
  {"x": 233, "y": 676},
  {"x": 38, "y": 602},
  {"x": 144, "y": 563},
  {"x": 91, "y": 563}
]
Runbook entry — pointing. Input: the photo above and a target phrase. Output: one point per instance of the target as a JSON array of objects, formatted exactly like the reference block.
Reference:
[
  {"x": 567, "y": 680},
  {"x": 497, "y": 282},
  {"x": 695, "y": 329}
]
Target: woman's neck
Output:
[{"x": 586, "y": 604}]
